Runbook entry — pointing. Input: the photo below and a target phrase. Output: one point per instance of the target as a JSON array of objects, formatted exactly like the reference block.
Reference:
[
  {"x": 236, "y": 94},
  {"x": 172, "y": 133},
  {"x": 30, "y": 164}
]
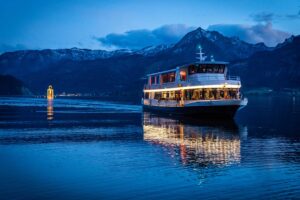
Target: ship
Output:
[{"x": 202, "y": 89}]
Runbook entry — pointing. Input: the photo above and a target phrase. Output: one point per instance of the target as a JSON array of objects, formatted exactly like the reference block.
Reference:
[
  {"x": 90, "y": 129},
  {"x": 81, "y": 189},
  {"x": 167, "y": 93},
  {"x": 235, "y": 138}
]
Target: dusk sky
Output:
[{"x": 32, "y": 24}]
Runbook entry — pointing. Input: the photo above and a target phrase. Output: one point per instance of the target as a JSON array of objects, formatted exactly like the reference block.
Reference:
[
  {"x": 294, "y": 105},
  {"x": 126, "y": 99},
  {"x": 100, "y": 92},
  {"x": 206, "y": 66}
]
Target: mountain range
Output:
[{"x": 121, "y": 72}]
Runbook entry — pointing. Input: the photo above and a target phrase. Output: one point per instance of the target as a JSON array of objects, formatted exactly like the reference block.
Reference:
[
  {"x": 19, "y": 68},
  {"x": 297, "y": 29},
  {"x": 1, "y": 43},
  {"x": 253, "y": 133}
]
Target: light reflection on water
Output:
[
  {"x": 103, "y": 150},
  {"x": 50, "y": 111},
  {"x": 197, "y": 143}
]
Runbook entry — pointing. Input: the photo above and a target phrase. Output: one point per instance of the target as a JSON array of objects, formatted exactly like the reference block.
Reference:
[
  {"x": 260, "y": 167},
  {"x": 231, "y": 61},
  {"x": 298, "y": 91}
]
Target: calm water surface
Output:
[{"x": 88, "y": 149}]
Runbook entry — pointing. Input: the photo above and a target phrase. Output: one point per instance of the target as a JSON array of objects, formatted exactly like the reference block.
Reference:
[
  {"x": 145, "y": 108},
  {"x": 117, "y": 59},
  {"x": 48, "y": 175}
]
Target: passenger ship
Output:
[{"x": 202, "y": 88}]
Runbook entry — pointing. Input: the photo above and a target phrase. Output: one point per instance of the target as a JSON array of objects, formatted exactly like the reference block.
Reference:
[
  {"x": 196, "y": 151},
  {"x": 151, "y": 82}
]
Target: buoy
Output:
[{"x": 50, "y": 93}]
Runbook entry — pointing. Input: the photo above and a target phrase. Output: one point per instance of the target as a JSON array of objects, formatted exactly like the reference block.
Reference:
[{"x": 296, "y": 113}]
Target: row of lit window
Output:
[
  {"x": 195, "y": 94},
  {"x": 192, "y": 69}
]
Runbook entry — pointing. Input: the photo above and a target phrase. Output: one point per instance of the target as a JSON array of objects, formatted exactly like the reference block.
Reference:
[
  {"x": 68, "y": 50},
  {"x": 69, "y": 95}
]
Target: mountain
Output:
[
  {"x": 118, "y": 72},
  {"x": 28, "y": 61},
  {"x": 275, "y": 69},
  {"x": 9, "y": 85},
  {"x": 154, "y": 50},
  {"x": 214, "y": 43}
]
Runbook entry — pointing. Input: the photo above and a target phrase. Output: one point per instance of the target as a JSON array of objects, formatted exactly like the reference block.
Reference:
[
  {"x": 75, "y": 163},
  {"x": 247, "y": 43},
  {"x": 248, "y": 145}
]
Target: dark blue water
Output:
[{"x": 88, "y": 149}]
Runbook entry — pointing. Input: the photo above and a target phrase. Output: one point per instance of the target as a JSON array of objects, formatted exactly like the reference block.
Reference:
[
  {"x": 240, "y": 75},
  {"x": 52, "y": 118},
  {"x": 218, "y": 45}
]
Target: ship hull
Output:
[
  {"x": 227, "y": 111},
  {"x": 199, "y": 109}
]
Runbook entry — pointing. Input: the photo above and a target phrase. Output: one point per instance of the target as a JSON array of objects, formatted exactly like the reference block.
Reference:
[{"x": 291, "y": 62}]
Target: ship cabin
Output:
[{"x": 207, "y": 80}]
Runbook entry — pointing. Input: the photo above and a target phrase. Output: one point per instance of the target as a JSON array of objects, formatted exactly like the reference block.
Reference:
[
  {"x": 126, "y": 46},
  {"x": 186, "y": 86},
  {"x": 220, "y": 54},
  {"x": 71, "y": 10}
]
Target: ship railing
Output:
[
  {"x": 233, "y": 78},
  {"x": 159, "y": 86},
  {"x": 190, "y": 83},
  {"x": 163, "y": 103},
  {"x": 181, "y": 103}
]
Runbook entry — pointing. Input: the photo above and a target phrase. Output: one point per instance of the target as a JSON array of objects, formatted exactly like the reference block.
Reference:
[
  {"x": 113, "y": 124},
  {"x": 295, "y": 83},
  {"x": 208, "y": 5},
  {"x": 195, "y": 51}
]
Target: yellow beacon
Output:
[{"x": 50, "y": 93}]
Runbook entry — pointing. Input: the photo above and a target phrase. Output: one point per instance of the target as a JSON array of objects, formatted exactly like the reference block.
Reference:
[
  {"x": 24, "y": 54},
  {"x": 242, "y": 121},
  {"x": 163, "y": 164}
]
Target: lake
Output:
[{"x": 91, "y": 149}]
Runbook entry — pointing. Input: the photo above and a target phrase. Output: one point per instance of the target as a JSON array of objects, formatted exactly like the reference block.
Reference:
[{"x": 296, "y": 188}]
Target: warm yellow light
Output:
[
  {"x": 182, "y": 73},
  {"x": 50, "y": 93},
  {"x": 50, "y": 112},
  {"x": 193, "y": 87}
]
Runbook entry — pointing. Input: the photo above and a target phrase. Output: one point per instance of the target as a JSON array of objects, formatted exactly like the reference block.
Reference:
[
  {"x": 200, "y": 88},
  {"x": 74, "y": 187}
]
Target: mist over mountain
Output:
[{"x": 121, "y": 72}]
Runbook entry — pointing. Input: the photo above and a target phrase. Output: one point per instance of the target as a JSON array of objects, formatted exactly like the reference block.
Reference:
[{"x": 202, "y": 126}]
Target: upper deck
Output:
[
  {"x": 196, "y": 63},
  {"x": 206, "y": 74}
]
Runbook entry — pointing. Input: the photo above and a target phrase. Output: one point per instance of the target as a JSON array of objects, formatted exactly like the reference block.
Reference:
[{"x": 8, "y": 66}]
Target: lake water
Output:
[{"x": 89, "y": 149}]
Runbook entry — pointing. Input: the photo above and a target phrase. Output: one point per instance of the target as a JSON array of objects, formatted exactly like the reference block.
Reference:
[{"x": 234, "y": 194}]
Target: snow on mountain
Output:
[
  {"x": 212, "y": 42},
  {"x": 154, "y": 50}
]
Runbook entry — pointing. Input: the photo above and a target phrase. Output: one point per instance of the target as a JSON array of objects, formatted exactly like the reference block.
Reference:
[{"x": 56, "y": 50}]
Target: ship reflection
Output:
[
  {"x": 194, "y": 142},
  {"x": 50, "y": 111}
]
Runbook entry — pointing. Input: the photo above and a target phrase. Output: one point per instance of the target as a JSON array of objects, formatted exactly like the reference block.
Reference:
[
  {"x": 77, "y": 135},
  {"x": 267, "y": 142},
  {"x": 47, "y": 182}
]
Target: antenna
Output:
[{"x": 200, "y": 54}]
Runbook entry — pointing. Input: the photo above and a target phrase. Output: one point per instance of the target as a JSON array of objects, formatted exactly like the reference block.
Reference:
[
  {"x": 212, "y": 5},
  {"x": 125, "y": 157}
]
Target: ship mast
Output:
[{"x": 200, "y": 55}]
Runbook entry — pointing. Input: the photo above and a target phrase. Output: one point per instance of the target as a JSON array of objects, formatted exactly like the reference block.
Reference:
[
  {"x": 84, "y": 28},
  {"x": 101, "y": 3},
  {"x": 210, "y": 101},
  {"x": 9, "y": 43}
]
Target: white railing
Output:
[
  {"x": 184, "y": 103},
  {"x": 158, "y": 86},
  {"x": 233, "y": 78},
  {"x": 162, "y": 103},
  {"x": 191, "y": 82}
]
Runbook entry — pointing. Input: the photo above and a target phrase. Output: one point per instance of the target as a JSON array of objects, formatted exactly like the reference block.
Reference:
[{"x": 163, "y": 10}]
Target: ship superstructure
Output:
[{"x": 203, "y": 87}]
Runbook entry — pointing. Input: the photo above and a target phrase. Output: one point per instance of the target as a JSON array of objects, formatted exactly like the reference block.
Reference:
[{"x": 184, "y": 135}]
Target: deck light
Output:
[{"x": 192, "y": 87}]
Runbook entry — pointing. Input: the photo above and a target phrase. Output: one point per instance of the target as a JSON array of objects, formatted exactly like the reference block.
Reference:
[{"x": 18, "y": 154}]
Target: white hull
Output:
[{"x": 195, "y": 103}]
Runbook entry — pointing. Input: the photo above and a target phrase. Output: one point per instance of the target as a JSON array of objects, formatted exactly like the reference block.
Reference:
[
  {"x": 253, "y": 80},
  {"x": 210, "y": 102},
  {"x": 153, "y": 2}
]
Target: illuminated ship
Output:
[{"x": 202, "y": 88}]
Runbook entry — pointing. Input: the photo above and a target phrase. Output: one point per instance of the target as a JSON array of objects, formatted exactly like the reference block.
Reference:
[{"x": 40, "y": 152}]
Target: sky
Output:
[{"x": 134, "y": 24}]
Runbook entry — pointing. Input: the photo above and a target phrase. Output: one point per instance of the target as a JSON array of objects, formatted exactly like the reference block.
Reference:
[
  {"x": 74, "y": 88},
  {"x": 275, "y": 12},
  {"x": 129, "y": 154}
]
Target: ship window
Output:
[
  {"x": 209, "y": 69},
  {"x": 216, "y": 68},
  {"x": 164, "y": 78},
  {"x": 206, "y": 68},
  {"x": 157, "y": 79},
  {"x": 188, "y": 94},
  {"x": 172, "y": 95},
  {"x": 196, "y": 95},
  {"x": 172, "y": 77},
  {"x": 165, "y": 95},
  {"x": 210, "y": 94},
  {"x": 202, "y": 69},
  {"x": 153, "y": 80},
  {"x": 177, "y": 95},
  {"x": 192, "y": 69},
  {"x": 157, "y": 95},
  {"x": 221, "y": 69},
  {"x": 182, "y": 75},
  {"x": 169, "y": 77}
]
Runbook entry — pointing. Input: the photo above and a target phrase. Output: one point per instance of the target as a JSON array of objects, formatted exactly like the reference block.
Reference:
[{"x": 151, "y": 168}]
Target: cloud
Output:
[
  {"x": 137, "y": 39},
  {"x": 252, "y": 34},
  {"x": 263, "y": 17},
  {"x": 271, "y": 17},
  {"x": 9, "y": 48},
  {"x": 293, "y": 16}
]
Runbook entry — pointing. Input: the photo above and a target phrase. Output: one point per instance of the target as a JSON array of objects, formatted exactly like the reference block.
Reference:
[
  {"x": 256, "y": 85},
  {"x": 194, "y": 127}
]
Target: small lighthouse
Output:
[{"x": 50, "y": 93}]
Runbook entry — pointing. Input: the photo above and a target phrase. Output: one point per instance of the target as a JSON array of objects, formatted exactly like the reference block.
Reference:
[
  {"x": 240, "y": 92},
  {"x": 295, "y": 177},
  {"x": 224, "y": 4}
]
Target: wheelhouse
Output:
[{"x": 206, "y": 68}]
